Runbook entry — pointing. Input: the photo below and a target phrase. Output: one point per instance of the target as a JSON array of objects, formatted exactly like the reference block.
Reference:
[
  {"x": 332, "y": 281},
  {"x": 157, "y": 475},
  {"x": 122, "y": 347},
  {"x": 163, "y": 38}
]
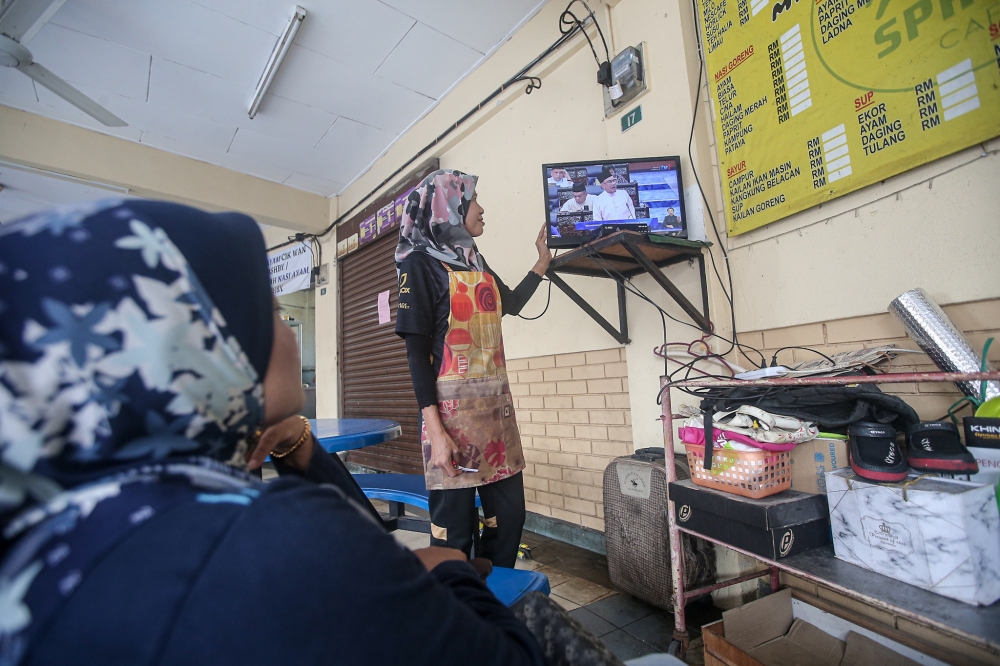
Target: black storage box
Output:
[{"x": 773, "y": 527}]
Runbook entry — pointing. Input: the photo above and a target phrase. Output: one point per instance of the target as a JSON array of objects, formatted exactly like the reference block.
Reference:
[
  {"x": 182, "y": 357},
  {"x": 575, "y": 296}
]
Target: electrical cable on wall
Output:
[
  {"x": 533, "y": 83},
  {"x": 735, "y": 343},
  {"x": 548, "y": 298},
  {"x": 629, "y": 286},
  {"x": 568, "y": 21}
]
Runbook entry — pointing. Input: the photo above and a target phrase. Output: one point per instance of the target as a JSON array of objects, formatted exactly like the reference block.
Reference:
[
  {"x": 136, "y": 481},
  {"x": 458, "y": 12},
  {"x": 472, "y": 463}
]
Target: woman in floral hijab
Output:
[{"x": 139, "y": 353}]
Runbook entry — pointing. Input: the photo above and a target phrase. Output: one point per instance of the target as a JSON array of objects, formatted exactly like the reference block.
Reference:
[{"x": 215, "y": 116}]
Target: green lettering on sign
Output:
[{"x": 631, "y": 118}]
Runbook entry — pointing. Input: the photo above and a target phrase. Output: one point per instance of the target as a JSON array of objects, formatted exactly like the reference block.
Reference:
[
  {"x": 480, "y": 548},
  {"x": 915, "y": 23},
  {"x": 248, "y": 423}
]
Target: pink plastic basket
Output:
[{"x": 753, "y": 474}]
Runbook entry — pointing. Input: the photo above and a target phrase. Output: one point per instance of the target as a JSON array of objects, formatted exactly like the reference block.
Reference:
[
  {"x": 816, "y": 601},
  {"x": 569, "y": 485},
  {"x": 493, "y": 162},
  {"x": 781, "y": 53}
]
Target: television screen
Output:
[{"x": 582, "y": 196}]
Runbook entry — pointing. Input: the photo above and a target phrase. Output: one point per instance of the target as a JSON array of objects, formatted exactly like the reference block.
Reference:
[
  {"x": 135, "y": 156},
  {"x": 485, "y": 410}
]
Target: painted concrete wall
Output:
[{"x": 930, "y": 227}]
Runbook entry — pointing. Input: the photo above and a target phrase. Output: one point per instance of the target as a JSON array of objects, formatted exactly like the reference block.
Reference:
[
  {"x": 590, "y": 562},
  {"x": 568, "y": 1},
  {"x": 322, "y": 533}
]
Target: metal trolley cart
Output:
[{"x": 979, "y": 627}]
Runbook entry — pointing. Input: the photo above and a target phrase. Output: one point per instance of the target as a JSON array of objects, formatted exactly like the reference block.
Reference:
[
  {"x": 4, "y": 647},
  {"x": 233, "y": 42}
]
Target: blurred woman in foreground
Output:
[{"x": 140, "y": 352}]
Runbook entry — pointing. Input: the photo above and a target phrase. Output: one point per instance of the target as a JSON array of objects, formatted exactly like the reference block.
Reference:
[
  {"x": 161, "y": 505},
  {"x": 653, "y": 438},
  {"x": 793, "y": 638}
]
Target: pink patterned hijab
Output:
[{"x": 434, "y": 221}]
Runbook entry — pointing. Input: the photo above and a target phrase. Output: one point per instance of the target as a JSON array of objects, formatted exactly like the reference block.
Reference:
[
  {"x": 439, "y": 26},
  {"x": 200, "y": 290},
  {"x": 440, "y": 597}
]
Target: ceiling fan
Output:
[{"x": 19, "y": 21}]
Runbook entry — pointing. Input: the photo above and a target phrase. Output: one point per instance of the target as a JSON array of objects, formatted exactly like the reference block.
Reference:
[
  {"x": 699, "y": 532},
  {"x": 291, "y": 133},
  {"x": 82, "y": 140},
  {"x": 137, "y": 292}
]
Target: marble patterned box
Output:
[{"x": 943, "y": 536}]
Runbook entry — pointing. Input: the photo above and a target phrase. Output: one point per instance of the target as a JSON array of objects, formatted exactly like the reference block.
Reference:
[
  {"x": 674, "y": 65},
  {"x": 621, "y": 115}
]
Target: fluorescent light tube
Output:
[
  {"x": 62, "y": 176},
  {"x": 277, "y": 55}
]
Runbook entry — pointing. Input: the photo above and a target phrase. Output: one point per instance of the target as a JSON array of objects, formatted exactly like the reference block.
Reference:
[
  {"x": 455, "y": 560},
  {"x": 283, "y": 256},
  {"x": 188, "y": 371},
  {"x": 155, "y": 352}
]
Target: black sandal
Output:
[
  {"x": 935, "y": 447},
  {"x": 875, "y": 455}
]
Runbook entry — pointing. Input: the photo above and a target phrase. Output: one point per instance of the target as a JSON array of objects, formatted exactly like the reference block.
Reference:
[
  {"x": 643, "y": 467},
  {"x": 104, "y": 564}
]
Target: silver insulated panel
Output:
[{"x": 933, "y": 332}]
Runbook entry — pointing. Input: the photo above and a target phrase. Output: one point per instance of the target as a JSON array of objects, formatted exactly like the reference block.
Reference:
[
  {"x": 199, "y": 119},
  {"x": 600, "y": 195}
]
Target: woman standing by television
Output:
[{"x": 450, "y": 304}]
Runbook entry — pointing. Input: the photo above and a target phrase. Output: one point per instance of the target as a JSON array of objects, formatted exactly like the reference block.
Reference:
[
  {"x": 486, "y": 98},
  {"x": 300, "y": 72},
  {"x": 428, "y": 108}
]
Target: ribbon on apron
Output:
[{"x": 474, "y": 398}]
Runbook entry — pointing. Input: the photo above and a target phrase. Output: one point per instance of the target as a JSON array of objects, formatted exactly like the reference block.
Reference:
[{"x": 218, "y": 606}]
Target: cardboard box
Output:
[
  {"x": 982, "y": 437},
  {"x": 774, "y": 527},
  {"x": 940, "y": 534},
  {"x": 813, "y": 459},
  {"x": 767, "y": 632}
]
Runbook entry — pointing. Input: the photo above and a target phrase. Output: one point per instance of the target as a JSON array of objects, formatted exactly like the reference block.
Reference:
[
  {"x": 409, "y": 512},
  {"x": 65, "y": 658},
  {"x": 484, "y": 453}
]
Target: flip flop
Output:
[
  {"x": 935, "y": 447},
  {"x": 875, "y": 455}
]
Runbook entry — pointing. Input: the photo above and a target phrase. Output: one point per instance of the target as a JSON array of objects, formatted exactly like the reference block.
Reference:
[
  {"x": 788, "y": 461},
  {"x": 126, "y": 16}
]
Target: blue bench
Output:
[{"x": 398, "y": 490}]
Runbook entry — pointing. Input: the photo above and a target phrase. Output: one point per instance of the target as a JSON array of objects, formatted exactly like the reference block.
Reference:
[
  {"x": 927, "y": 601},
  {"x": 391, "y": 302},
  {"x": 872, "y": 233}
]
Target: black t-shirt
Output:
[{"x": 424, "y": 301}]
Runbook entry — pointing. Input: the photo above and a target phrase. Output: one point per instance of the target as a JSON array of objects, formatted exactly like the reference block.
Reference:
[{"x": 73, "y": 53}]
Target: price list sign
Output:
[{"x": 813, "y": 99}]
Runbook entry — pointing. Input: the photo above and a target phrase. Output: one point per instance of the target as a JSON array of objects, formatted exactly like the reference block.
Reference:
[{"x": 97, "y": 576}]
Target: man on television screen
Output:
[
  {"x": 670, "y": 220},
  {"x": 582, "y": 200},
  {"x": 559, "y": 177},
  {"x": 612, "y": 204}
]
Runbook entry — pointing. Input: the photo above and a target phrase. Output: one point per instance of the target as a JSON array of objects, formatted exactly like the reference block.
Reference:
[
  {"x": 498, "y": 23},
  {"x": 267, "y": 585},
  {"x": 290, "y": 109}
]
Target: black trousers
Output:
[{"x": 454, "y": 517}]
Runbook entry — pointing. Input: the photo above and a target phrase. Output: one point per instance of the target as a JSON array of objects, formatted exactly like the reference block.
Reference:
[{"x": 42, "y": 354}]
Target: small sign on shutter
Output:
[{"x": 383, "y": 307}]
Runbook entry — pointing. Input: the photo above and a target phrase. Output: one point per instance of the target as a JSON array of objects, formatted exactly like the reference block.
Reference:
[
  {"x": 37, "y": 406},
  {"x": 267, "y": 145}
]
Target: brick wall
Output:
[
  {"x": 979, "y": 320},
  {"x": 573, "y": 413}
]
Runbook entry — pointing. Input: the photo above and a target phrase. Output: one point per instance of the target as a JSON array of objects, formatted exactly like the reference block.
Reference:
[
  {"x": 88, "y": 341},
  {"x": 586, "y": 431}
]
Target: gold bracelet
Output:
[{"x": 305, "y": 435}]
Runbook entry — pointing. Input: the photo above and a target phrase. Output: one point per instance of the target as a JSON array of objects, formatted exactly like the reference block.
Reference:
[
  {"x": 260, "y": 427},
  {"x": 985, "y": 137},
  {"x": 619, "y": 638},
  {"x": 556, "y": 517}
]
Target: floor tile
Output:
[
  {"x": 580, "y": 591},
  {"x": 595, "y": 625},
  {"x": 586, "y": 565},
  {"x": 656, "y": 630},
  {"x": 701, "y": 612},
  {"x": 621, "y": 610},
  {"x": 555, "y": 576},
  {"x": 550, "y": 551},
  {"x": 695, "y": 653},
  {"x": 412, "y": 540},
  {"x": 565, "y": 603},
  {"x": 625, "y": 646},
  {"x": 533, "y": 538},
  {"x": 526, "y": 565}
]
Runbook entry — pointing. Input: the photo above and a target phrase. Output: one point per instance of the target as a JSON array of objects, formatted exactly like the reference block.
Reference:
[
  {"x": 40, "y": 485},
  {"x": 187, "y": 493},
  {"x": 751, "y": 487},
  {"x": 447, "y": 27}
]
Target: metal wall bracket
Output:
[{"x": 623, "y": 255}]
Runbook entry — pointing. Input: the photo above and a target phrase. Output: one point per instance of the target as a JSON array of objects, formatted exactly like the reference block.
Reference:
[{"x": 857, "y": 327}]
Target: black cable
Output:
[
  {"x": 629, "y": 286},
  {"x": 735, "y": 343},
  {"x": 548, "y": 299},
  {"x": 774, "y": 359},
  {"x": 534, "y": 82},
  {"x": 600, "y": 32},
  {"x": 574, "y": 24},
  {"x": 636, "y": 291}
]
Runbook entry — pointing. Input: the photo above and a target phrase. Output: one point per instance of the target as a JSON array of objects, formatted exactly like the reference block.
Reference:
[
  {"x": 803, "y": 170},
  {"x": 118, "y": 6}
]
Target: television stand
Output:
[{"x": 625, "y": 254}]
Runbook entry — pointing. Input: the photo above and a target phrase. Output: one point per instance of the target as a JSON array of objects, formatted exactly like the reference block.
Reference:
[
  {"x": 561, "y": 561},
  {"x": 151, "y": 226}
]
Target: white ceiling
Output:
[{"x": 182, "y": 73}]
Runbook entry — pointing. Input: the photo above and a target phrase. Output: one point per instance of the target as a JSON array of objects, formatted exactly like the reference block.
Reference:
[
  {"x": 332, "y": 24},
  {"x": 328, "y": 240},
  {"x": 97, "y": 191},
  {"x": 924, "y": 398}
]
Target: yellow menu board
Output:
[{"x": 816, "y": 98}]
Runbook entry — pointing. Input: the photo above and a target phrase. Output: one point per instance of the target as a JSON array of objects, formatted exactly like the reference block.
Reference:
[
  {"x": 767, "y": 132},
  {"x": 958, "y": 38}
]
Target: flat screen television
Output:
[{"x": 644, "y": 192}]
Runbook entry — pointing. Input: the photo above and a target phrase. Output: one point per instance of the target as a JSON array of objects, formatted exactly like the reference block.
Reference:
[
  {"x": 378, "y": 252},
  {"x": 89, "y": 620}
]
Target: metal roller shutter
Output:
[{"x": 375, "y": 378}]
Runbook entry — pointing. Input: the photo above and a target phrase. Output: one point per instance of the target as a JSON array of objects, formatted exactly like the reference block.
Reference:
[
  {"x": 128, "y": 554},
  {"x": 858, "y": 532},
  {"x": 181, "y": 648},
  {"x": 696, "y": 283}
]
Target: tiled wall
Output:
[
  {"x": 574, "y": 417},
  {"x": 979, "y": 320}
]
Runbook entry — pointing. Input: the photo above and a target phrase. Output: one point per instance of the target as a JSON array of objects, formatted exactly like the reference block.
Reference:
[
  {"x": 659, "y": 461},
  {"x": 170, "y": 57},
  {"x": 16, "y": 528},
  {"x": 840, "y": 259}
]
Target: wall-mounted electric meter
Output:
[{"x": 628, "y": 79}]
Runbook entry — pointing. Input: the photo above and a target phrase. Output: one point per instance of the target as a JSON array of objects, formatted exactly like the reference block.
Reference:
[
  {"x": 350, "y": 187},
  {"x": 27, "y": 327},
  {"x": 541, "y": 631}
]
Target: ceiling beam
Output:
[{"x": 35, "y": 141}]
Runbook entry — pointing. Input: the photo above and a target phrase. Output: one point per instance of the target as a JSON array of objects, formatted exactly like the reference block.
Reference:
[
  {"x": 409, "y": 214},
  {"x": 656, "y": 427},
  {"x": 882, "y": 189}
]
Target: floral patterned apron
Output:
[{"x": 473, "y": 394}]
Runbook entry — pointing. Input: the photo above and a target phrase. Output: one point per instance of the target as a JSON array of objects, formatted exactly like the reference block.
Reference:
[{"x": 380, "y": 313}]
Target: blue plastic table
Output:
[{"x": 336, "y": 435}]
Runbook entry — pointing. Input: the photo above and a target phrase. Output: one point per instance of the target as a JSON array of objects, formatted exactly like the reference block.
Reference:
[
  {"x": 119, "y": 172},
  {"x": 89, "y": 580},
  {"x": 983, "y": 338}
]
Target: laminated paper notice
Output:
[
  {"x": 813, "y": 99},
  {"x": 383, "y": 307},
  {"x": 634, "y": 480}
]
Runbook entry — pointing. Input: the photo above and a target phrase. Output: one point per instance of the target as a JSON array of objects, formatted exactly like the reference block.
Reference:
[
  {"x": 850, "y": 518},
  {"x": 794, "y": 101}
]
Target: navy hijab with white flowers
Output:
[{"x": 130, "y": 332}]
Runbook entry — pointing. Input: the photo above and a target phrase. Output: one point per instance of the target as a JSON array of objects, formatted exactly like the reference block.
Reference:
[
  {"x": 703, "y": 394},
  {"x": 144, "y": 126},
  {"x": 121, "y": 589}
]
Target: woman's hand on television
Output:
[{"x": 544, "y": 253}]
